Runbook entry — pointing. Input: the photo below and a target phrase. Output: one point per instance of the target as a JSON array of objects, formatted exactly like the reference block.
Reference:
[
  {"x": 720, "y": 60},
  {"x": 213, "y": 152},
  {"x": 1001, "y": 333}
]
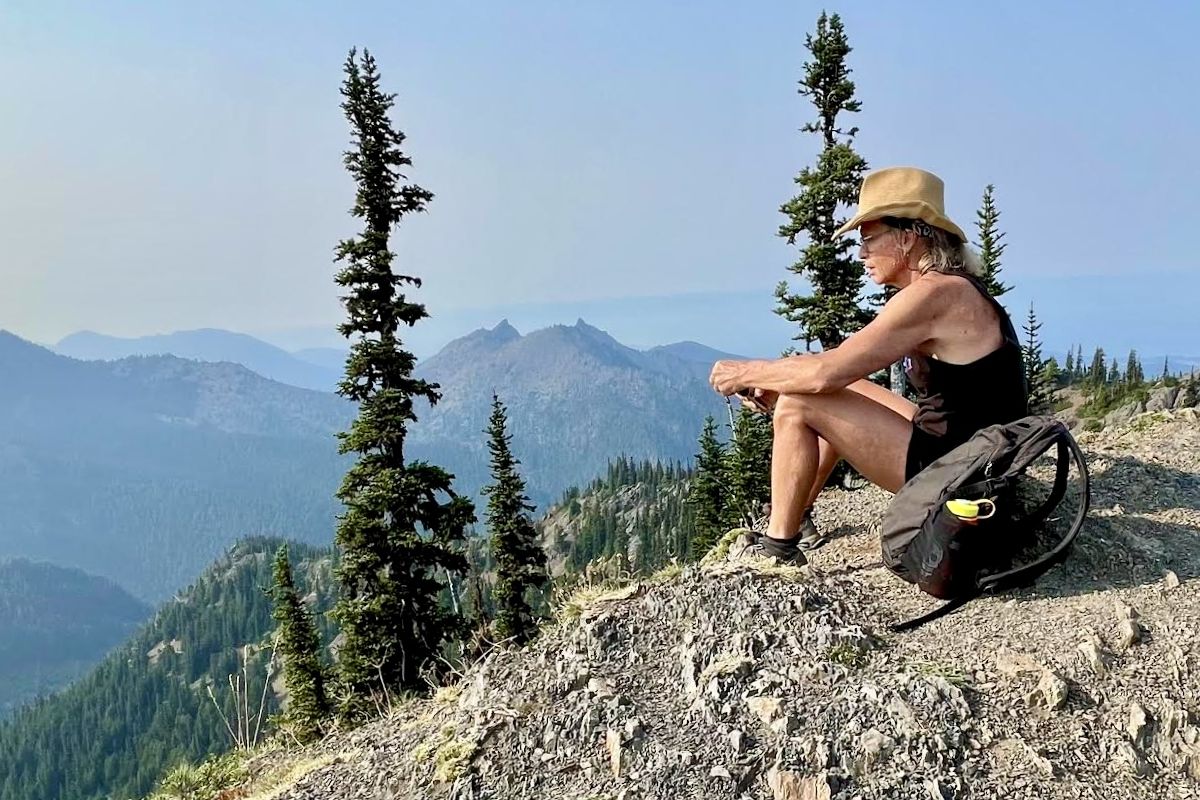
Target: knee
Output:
[{"x": 792, "y": 409}]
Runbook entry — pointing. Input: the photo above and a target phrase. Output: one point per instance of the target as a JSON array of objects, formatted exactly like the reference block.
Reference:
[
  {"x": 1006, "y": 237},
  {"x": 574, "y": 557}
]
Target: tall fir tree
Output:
[
  {"x": 707, "y": 494},
  {"x": 1114, "y": 373},
  {"x": 520, "y": 560},
  {"x": 1079, "y": 373},
  {"x": 1069, "y": 369},
  {"x": 1166, "y": 373},
  {"x": 1096, "y": 374},
  {"x": 834, "y": 309},
  {"x": 990, "y": 245},
  {"x": 1133, "y": 370},
  {"x": 398, "y": 535},
  {"x": 1041, "y": 390},
  {"x": 748, "y": 465},
  {"x": 304, "y": 673}
]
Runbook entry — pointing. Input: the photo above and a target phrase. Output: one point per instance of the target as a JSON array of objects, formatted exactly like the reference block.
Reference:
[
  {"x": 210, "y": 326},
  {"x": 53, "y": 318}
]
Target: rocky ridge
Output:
[{"x": 743, "y": 679}]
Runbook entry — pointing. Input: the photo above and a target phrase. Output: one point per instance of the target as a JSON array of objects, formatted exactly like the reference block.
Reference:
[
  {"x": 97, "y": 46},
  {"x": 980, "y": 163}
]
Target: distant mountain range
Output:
[
  {"x": 55, "y": 624},
  {"x": 576, "y": 398},
  {"x": 313, "y": 368},
  {"x": 143, "y": 470},
  {"x": 1150, "y": 310}
]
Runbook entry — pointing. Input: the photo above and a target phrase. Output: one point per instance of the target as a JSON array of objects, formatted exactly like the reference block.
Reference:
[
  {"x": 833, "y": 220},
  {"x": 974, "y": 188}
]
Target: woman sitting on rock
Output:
[{"x": 960, "y": 351}]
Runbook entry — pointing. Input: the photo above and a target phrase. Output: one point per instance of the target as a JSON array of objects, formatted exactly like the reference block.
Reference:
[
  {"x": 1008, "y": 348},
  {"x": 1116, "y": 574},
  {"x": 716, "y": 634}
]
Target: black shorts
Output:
[{"x": 924, "y": 448}]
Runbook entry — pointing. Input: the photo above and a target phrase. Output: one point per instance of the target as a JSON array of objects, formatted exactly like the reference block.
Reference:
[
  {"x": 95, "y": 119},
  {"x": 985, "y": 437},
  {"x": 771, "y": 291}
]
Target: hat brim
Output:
[{"x": 906, "y": 210}]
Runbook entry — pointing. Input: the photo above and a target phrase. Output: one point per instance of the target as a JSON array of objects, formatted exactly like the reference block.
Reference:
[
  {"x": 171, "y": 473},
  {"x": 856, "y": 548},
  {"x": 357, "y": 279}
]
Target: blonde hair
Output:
[{"x": 944, "y": 252}]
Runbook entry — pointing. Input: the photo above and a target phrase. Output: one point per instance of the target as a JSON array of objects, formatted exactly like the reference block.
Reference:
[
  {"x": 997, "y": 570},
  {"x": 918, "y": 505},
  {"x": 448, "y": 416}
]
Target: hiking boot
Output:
[
  {"x": 810, "y": 538},
  {"x": 785, "y": 551}
]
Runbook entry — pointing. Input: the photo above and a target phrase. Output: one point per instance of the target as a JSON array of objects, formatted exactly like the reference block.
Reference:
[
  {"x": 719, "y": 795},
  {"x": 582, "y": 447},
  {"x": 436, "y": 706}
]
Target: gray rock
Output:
[
  {"x": 766, "y": 709},
  {"x": 1051, "y": 692},
  {"x": 1139, "y": 721},
  {"x": 633, "y": 729},
  {"x": 1095, "y": 656},
  {"x": 787, "y": 785},
  {"x": 1123, "y": 414},
  {"x": 1129, "y": 633},
  {"x": 1162, "y": 399},
  {"x": 785, "y": 724},
  {"x": 875, "y": 745},
  {"x": 612, "y": 741}
]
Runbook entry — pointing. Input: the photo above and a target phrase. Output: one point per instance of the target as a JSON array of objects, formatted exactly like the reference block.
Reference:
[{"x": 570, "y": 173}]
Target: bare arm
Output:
[{"x": 902, "y": 326}]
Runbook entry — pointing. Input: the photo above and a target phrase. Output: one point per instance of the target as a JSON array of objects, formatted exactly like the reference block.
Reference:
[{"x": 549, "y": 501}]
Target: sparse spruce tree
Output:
[
  {"x": 1114, "y": 373},
  {"x": 748, "y": 465},
  {"x": 300, "y": 649},
  {"x": 1069, "y": 369},
  {"x": 1041, "y": 390},
  {"x": 520, "y": 560},
  {"x": 1079, "y": 373},
  {"x": 398, "y": 536},
  {"x": 990, "y": 245},
  {"x": 1053, "y": 376},
  {"x": 1133, "y": 371},
  {"x": 1166, "y": 373},
  {"x": 1096, "y": 374},
  {"x": 707, "y": 494},
  {"x": 1190, "y": 392},
  {"x": 834, "y": 308}
]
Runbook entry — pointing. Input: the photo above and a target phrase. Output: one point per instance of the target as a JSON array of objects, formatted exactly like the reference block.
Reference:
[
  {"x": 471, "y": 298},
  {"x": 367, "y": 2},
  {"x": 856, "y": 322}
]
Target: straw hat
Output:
[{"x": 905, "y": 192}]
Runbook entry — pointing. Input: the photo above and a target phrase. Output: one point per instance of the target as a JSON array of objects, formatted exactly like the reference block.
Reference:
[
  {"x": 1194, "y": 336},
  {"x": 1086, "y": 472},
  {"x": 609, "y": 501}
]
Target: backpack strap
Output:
[
  {"x": 1018, "y": 575},
  {"x": 946, "y": 608},
  {"x": 1061, "y": 471}
]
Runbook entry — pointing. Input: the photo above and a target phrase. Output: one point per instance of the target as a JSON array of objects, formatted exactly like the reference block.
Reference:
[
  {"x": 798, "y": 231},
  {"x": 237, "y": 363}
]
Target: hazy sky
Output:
[{"x": 170, "y": 165}]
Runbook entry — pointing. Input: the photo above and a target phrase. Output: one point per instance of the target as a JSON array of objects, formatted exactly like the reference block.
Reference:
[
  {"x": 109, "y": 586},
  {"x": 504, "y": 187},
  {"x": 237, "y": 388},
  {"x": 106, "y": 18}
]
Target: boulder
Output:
[
  {"x": 1123, "y": 414},
  {"x": 1162, "y": 398}
]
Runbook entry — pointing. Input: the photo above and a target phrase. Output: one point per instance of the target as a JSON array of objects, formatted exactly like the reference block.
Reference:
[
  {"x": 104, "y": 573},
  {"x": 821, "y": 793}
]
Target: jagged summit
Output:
[{"x": 741, "y": 679}]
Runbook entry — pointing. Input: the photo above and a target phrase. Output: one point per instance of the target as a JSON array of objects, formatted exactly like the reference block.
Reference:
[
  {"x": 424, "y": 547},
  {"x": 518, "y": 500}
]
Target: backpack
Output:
[{"x": 953, "y": 530}]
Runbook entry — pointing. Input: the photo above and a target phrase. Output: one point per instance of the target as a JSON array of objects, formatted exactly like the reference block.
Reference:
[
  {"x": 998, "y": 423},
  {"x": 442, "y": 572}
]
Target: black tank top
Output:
[{"x": 956, "y": 400}]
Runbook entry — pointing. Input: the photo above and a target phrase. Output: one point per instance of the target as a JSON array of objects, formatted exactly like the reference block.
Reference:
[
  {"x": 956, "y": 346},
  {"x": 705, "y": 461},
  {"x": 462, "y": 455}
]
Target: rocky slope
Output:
[{"x": 742, "y": 679}]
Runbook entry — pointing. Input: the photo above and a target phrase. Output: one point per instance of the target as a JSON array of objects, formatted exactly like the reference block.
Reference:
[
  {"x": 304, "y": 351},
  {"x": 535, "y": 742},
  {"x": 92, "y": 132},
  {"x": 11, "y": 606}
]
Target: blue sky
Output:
[{"x": 177, "y": 165}]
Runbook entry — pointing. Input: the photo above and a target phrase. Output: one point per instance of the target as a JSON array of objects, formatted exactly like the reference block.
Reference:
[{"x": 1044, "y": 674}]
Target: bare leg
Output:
[
  {"x": 828, "y": 457},
  {"x": 872, "y": 436}
]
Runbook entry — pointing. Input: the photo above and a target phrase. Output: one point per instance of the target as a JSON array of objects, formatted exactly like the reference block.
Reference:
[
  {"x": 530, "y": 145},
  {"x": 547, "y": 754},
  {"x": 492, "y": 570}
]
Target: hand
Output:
[
  {"x": 760, "y": 400},
  {"x": 729, "y": 377}
]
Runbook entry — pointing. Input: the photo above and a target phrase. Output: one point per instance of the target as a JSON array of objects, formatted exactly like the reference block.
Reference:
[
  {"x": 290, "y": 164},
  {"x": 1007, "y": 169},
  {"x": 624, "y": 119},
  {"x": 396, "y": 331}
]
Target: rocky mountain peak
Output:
[{"x": 737, "y": 677}]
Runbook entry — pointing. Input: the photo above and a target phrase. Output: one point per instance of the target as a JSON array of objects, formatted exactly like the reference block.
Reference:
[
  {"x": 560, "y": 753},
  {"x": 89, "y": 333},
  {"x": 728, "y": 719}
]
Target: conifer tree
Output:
[
  {"x": 833, "y": 311},
  {"x": 1190, "y": 392},
  {"x": 1053, "y": 376},
  {"x": 1079, "y": 374},
  {"x": 1096, "y": 374},
  {"x": 748, "y": 465},
  {"x": 1069, "y": 369},
  {"x": 1114, "y": 373},
  {"x": 300, "y": 648},
  {"x": 1133, "y": 370},
  {"x": 520, "y": 560},
  {"x": 990, "y": 245},
  {"x": 398, "y": 535},
  {"x": 707, "y": 494},
  {"x": 1041, "y": 390},
  {"x": 1166, "y": 373}
]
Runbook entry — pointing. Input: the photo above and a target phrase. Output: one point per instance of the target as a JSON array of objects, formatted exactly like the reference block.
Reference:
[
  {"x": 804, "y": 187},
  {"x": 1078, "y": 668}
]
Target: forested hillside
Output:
[
  {"x": 55, "y": 624},
  {"x": 146, "y": 706}
]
